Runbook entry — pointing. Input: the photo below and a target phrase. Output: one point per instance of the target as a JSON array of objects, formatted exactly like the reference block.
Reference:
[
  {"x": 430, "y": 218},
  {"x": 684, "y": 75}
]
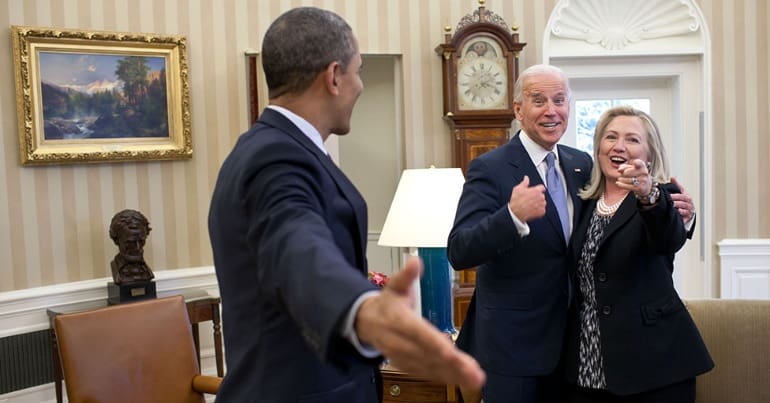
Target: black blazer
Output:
[
  {"x": 648, "y": 340},
  {"x": 517, "y": 315},
  {"x": 288, "y": 231}
]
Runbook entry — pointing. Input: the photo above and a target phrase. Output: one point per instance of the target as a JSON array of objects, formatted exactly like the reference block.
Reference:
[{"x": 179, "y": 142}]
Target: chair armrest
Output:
[{"x": 206, "y": 384}]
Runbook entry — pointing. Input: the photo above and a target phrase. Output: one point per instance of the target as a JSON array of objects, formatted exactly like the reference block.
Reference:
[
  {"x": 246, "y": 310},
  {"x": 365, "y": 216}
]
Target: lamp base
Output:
[{"x": 436, "y": 289}]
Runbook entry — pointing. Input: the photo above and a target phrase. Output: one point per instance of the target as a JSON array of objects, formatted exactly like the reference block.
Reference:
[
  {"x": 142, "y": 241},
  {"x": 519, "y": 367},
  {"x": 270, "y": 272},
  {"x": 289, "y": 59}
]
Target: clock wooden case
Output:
[
  {"x": 479, "y": 64},
  {"x": 479, "y": 67}
]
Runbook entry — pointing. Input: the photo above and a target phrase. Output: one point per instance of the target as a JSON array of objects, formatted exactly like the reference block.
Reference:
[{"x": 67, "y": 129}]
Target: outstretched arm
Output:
[{"x": 387, "y": 322}]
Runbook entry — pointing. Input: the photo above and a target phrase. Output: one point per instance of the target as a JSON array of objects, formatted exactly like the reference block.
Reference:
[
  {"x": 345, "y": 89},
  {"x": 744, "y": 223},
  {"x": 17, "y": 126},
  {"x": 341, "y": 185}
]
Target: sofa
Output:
[{"x": 737, "y": 333}]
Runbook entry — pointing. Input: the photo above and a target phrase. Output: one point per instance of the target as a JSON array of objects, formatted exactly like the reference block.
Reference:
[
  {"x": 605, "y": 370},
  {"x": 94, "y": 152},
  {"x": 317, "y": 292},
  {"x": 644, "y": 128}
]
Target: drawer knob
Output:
[{"x": 395, "y": 390}]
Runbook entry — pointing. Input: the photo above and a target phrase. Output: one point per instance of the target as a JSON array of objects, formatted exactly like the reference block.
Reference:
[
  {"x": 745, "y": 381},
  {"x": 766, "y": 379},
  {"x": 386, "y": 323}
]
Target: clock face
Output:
[{"x": 482, "y": 76}]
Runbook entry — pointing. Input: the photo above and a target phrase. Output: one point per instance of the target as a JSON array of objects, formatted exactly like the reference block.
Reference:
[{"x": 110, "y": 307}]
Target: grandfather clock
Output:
[{"x": 480, "y": 64}]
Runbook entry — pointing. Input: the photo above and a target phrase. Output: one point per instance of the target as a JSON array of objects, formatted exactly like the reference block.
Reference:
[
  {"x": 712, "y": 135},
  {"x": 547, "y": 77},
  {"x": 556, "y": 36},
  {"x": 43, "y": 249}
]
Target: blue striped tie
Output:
[{"x": 556, "y": 190}]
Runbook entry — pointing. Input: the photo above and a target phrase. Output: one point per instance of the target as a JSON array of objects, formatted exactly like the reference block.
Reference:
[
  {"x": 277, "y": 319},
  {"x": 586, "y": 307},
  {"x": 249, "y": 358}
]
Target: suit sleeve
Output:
[
  {"x": 663, "y": 224},
  {"x": 299, "y": 264},
  {"x": 483, "y": 228}
]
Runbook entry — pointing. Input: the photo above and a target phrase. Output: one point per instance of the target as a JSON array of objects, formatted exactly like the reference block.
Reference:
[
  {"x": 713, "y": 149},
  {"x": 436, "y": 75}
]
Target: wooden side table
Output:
[
  {"x": 200, "y": 310},
  {"x": 401, "y": 387},
  {"x": 201, "y": 307}
]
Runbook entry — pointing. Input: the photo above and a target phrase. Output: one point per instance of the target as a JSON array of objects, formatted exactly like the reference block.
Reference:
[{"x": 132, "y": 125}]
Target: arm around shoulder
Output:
[{"x": 665, "y": 229}]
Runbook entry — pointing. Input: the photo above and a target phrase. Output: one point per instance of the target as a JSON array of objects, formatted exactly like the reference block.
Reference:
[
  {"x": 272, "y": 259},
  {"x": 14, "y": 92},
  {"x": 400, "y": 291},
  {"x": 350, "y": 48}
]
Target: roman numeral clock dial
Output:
[
  {"x": 479, "y": 66},
  {"x": 482, "y": 85}
]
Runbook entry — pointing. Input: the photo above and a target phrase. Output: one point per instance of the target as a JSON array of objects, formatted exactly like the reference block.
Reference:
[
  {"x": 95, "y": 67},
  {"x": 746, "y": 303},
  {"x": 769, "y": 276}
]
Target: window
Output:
[{"x": 587, "y": 113}]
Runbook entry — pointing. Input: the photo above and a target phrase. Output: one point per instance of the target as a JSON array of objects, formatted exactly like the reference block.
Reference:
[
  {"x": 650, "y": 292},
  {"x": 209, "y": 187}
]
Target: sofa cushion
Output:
[{"x": 737, "y": 334}]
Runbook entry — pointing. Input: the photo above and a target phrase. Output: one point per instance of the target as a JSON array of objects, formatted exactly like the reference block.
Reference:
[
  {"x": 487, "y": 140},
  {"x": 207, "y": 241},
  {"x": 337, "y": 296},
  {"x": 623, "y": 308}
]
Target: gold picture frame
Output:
[{"x": 99, "y": 96}]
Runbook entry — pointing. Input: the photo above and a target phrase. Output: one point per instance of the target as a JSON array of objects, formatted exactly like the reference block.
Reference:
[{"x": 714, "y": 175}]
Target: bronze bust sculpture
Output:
[{"x": 129, "y": 230}]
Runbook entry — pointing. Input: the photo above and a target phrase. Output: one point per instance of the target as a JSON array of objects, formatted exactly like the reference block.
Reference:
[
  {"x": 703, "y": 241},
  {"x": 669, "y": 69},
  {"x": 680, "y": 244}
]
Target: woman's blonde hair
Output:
[{"x": 658, "y": 161}]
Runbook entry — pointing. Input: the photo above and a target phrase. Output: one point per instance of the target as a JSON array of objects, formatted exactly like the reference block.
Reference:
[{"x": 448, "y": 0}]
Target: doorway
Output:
[
  {"x": 371, "y": 155},
  {"x": 672, "y": 86}
]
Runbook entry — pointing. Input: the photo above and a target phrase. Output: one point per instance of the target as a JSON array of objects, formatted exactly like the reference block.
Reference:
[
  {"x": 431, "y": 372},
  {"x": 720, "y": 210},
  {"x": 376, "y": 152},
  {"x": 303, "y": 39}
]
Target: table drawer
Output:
[{"x": 413, "y": 391}]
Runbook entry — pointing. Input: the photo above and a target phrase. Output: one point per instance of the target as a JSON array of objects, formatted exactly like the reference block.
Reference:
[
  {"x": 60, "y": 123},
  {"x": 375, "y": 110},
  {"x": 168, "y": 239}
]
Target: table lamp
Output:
[{"x": 421, "y": 215}]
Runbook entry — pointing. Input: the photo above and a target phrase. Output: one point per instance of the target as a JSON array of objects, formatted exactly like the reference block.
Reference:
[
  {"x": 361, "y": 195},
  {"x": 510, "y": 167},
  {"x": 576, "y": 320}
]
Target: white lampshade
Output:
[{"x": 423, "y": 209}]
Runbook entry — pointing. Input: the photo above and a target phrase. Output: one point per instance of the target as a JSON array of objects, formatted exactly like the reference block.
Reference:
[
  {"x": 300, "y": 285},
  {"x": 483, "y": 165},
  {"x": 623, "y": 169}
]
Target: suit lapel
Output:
[
  {"x": 346, "y": 188},
  {"x": 624, "y": 213},
  {"x": 523, "y": 165},
  {"x": 573, "y": 176},
  {"x": 579, "y": 233},
  {"x": 626, "y": 210}
]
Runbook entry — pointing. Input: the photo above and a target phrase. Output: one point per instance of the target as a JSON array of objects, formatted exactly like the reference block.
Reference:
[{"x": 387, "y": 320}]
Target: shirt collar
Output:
[
  {"x": 536, "y": 152},
  {"x": 303, "y": 125}
]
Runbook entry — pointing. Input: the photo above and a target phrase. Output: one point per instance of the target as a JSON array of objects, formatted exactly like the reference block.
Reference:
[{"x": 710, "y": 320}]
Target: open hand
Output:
[{"x": 388, "y": 323}]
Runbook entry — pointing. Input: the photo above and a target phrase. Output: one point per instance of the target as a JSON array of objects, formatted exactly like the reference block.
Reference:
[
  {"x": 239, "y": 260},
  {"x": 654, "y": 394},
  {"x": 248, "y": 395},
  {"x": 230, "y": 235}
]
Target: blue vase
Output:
[{"x": 436, "y": 288}]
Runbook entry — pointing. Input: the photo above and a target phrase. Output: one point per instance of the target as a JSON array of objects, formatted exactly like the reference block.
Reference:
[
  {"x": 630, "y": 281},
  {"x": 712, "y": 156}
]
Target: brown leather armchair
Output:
[{"x": 137, "y": 352}]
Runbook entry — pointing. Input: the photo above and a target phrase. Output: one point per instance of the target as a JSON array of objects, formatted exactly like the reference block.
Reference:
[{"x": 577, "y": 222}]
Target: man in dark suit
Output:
[
  {"x": 508, "y": 225},
  {"x": 288, "y": 231}
]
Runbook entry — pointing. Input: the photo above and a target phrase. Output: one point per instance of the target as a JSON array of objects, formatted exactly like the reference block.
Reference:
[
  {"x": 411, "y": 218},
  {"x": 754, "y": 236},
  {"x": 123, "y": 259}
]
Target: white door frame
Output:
[
  {"x": 571, "y": 43},
  {"x": 659, "y": 89}
]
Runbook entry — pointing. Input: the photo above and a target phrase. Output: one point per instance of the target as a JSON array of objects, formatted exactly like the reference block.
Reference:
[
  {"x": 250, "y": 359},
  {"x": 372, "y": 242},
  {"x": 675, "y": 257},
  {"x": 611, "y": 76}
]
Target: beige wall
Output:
[
  {"x": 53, "y": 220},
  {"x": 741, "y": 57}
]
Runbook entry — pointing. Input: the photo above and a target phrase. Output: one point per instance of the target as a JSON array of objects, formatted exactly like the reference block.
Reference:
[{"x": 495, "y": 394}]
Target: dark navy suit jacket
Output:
[
  {"x": 288, "y": 231},
  {"x": 516, "y": 320},
  {"x": 648, "y": 340}
]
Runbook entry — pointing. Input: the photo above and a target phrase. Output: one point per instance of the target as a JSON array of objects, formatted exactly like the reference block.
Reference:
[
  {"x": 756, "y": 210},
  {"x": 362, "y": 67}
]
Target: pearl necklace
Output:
[{"x": 603, "y": 209}]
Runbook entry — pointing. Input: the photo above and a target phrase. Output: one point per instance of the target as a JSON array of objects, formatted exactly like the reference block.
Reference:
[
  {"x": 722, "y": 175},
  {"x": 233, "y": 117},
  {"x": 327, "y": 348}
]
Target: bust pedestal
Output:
[{"x": 130, "y": 292}]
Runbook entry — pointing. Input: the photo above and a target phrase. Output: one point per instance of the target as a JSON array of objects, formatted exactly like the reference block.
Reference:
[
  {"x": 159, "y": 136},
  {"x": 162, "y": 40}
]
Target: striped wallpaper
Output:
[{"x": 53, "y": 220}]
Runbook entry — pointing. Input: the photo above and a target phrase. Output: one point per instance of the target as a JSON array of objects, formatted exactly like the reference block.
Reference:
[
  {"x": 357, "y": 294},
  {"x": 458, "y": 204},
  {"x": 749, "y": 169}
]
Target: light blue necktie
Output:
[{"x": 556, "y": 190}]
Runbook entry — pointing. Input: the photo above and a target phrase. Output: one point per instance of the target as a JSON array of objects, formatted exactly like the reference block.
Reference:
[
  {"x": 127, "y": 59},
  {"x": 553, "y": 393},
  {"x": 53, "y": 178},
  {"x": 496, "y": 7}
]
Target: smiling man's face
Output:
[{"x": 544, "y": 109}]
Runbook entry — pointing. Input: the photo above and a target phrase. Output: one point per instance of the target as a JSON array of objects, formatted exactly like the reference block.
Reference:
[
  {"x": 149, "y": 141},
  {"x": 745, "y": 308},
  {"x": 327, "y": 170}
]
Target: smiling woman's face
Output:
[{"x": 624, "y": 139}]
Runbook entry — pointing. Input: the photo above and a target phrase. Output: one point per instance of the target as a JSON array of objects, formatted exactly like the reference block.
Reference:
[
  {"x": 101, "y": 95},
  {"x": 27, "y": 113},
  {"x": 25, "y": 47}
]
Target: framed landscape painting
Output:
[{"x": 97, "y": 96}]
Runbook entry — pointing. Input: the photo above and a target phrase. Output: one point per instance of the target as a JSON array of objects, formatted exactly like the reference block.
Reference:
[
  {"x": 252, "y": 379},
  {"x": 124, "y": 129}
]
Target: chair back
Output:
[
  {"x": 136, "y": 352},
  {"x": 737, "y": 334}
]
